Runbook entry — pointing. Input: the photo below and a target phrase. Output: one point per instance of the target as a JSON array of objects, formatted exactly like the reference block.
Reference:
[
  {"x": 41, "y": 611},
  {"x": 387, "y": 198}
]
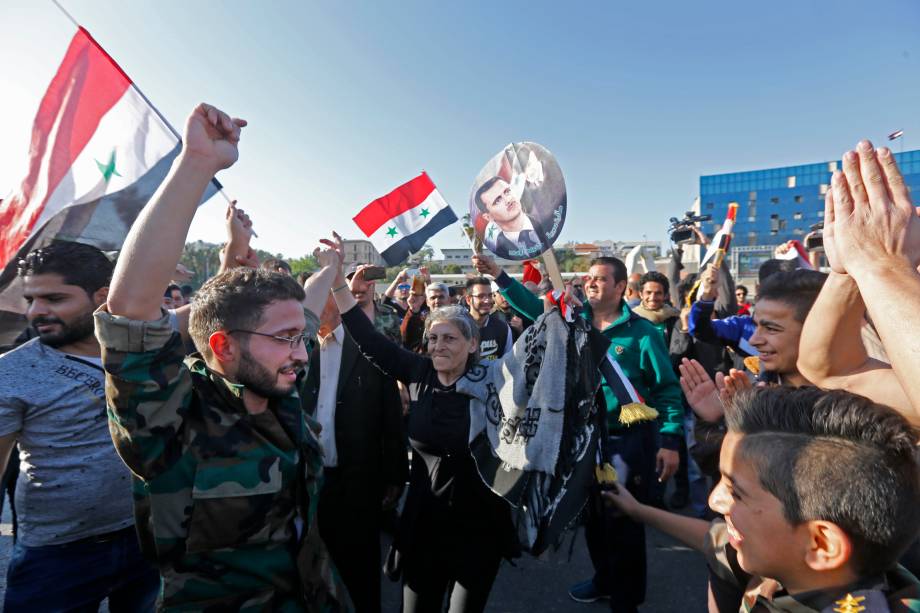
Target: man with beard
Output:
[
  {"x": 75, "y": 540},
  {"x": 227, "y": 466}
]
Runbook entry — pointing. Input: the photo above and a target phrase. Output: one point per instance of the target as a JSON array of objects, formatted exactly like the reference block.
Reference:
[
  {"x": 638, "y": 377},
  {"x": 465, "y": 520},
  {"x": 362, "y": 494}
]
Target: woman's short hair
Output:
[{"x": 460, "y": 317}]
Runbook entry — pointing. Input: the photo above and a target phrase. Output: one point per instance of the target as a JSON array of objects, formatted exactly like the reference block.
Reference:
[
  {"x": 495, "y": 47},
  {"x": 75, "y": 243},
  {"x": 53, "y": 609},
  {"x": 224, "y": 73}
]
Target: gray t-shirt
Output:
[{"x": 73, "y": 484}]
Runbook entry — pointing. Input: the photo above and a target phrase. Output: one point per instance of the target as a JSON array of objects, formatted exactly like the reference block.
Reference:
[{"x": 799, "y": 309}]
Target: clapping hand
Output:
[
  {"x": 874, "y": 222},
  {"x": 700, "y": 390}
]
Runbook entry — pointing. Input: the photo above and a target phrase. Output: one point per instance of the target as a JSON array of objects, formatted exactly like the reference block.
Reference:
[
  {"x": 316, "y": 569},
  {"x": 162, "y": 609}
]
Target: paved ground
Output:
[{"x": 677, "y": 578}]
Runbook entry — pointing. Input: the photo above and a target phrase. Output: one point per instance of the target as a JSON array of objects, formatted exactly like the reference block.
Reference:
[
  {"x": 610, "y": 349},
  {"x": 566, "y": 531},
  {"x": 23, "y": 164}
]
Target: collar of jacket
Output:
[{"x": 626, "y": 315}]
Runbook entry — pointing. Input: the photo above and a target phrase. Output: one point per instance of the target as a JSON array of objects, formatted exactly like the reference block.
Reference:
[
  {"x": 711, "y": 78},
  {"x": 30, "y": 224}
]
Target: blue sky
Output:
[{"x": 346, "y": 100}]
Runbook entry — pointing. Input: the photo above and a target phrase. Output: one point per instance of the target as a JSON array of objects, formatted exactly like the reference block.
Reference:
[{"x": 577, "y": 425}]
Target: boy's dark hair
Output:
[
  {"x": 274, "y": 264},
  {"x": 655, "y": 277},
  {"x": 78, "y": 264},
  {"x": 235, "y": 300},
  {"x": 187, "y": 291},
  {"x": 478, "y": 281},
  {"x": 169, "y": 290},
  {"x": 619, "y": 268},
  {"x": 798, "y": 288},
  {"x": 837, "y": 457},
  {"x": 773, "y": 266}
]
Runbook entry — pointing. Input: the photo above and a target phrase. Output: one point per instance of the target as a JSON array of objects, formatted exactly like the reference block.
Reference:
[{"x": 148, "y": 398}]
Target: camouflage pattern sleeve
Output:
[{"x": 147, "y": 389}]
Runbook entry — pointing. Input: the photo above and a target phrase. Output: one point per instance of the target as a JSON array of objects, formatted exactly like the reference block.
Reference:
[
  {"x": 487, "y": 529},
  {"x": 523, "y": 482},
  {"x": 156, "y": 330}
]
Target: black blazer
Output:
[{"x": 368, "y": 421}]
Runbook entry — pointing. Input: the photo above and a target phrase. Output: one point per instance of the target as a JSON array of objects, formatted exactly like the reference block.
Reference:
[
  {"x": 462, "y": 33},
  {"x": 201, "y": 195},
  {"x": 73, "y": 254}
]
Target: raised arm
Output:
[
  {"x": 393, "y": 360},
  {"x": 155, "y": 242},
  {"x": 877, "y": 235},
  {"x": 402, "y": 277}
]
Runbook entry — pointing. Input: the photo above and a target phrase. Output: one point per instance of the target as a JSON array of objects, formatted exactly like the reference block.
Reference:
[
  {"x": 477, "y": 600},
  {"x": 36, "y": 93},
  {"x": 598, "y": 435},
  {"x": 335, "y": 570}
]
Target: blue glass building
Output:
[{"x": 780, "y": 204}]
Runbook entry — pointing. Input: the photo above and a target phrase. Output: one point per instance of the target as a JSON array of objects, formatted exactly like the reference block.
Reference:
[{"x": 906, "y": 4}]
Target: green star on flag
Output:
[
  {"x": 108, "y": 170},
  {"x": 424, "y": 213},
  {"x": 391, "y": 232}
]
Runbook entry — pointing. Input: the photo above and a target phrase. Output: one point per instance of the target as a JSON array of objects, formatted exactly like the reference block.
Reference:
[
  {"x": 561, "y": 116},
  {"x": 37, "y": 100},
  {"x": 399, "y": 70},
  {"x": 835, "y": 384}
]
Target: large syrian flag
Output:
[
  {"x": 99, "y": 151},
  {"x": 400, "y": 223}
]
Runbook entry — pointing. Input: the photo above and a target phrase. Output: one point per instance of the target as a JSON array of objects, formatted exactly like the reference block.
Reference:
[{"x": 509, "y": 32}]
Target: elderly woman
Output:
[{"x": 454, "y": 531}]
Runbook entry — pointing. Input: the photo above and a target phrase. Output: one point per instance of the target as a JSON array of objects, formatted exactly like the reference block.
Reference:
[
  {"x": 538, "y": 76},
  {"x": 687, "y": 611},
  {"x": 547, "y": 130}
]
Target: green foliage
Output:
[{"x": 306, "y": 263}]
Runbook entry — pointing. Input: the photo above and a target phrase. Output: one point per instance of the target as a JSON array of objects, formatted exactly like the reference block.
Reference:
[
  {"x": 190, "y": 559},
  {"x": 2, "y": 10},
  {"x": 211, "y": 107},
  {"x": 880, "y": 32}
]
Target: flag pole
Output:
[{"x": 217, "y": 184}]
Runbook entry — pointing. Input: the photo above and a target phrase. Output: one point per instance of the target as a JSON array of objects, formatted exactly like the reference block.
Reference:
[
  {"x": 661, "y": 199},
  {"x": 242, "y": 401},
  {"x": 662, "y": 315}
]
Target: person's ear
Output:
[
  {"x": 487, "y": 217},
  {"x": 474, "y": 345},
  {"x": 99, "y": 296},
  {"x": 829, "y": 547},
  {"x": 223, "y": 348}
]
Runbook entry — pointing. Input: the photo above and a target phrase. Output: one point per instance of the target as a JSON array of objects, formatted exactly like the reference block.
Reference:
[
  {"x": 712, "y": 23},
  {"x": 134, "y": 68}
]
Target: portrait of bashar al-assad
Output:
[{"x": 519, "y": 202}]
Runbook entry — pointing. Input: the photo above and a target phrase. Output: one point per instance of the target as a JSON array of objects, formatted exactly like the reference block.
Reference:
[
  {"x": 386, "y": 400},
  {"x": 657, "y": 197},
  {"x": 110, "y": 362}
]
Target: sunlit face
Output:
[
  {"x": 652, "y": 295},
  {"x": 448, "y": 348},
  {"x": 767, "y": 544},
  {"x": 480, "y": 299},
  {"x": 268, "y": 367},
  {"x": 501, "y": 205},
  {"x": 61, "y": 314},
  {"x": 776, "y": 336},
  {"x": 600, "y": 287},
  {"x": 436, "y": 297}
]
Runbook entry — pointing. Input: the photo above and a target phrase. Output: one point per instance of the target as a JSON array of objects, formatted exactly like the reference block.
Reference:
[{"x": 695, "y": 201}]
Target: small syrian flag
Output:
[
  {"x": 401, "y": 222},
  {"x": 797, "y": 253},
  {"x": 99, "y": 151},
  {"x": 723, "y": 238},
  {"x": 896, "y": 135}
]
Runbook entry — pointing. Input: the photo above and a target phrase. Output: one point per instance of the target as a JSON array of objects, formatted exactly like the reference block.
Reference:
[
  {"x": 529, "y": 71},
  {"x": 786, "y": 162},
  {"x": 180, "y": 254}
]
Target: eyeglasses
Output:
[
  {"x": 482, "y": 296},
  {"x": 292, "y": 341}
]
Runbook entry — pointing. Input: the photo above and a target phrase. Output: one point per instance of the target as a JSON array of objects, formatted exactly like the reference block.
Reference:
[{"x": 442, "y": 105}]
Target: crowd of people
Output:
[{"x": 243, "y": 446}]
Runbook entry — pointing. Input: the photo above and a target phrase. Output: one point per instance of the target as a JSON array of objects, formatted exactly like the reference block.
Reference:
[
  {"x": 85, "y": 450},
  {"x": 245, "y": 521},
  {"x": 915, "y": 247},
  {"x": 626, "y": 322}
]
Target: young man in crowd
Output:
[
  {"x": 741, "y": 293},
  {"x": 227, "y": 467},
  {"x": 820, "y": 494},
  {"x": 494, "y": 334},
  {"x": 172, "y": 297},
  {"x": 836, "y": 355},
  {"x": 617, "y": 544},
  {"x": 783, "y": 303},
  {"x": 75, "y": 543},
  {"x": 654, "y": 291}
]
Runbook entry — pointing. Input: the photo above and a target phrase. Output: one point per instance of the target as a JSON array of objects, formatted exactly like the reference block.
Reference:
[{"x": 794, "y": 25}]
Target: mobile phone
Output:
[{"x": 372, "y": 273}]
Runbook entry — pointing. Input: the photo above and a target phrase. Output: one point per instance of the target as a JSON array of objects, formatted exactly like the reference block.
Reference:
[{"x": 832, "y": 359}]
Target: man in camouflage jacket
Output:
[{"x": 227, "y": 468}]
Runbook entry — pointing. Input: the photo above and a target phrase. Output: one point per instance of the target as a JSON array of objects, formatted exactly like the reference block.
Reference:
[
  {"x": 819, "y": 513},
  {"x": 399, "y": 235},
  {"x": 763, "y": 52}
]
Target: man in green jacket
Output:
[{"x": 639, "y": 449}]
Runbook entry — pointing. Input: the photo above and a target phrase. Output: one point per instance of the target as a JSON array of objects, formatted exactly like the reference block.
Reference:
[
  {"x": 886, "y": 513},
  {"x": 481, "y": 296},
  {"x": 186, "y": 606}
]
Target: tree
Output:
[{"x": 306, "y": 263}]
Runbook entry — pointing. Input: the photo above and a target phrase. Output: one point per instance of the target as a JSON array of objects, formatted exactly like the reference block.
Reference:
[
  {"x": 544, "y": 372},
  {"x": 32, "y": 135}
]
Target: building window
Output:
[
  {"x": 821, "y": 213},
  {"x": 774, "y": 200},
  {"x": 710, "y": 205},
  {"x": 823, "y": 188},
  {"x": 790, "y": 181},
  {"x": 798, "y": 231},
  {"x": 752, "y": 210},
  {"x": 831, "y": 166},
  {"x": 797, "y": 215},
  {"x": 752, "y": 196},
  {"x": 798, "y": 198}
]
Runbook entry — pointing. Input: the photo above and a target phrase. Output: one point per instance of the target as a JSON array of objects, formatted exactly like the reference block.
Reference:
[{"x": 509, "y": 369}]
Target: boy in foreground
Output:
[{"x": 820, "y": 494}]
